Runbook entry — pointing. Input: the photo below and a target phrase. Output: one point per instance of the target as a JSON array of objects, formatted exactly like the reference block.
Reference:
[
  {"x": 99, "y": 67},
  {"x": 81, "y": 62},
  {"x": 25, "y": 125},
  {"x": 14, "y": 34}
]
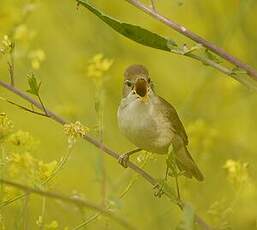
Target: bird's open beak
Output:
[{"x": 141, "y": 89}]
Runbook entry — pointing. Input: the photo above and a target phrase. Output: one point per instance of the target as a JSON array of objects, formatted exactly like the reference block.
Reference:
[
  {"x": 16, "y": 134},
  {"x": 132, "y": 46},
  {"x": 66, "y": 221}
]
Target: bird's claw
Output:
[
  {"x": 123, "y": 160},
  {"x": 159, "y": 187}
]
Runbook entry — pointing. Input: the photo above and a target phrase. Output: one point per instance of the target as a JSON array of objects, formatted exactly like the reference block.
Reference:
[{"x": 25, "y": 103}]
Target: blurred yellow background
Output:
[{"x": 58, "y": 42}]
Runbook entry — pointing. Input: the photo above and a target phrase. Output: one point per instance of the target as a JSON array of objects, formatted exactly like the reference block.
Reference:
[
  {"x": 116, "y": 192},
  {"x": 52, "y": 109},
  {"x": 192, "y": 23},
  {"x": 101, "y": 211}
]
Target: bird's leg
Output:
[
  {"x": 160, "y": 186},
  {"x": 124, "y": 158},
  {"x": 177, "y": 186},
  {"x": 171, "y": 163},
  {"x": 166, "y": 173},
  {"x": 153, "y": 5}
]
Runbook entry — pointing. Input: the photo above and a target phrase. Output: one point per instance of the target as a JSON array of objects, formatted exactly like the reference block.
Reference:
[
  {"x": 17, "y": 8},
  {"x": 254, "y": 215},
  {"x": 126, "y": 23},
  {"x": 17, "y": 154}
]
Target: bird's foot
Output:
[
  {"x": 123, "y": 160},
  {"x": 159, "y": 187}
]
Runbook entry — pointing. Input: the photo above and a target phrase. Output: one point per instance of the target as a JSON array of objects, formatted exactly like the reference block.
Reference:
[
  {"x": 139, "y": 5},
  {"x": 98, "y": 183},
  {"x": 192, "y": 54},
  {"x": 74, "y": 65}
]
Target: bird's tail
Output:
[{"x": 186, "y": 163}]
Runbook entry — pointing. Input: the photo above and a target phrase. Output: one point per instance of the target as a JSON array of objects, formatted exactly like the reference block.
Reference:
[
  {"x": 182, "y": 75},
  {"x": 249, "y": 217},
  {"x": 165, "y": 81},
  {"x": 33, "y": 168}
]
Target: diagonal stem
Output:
[
  {"x": 90, "y": 139},
  {"x": 96, "y": 143},
  {"x": 195, "y": 37},
  {"x": 75, "y": 201},
  {"x": 24, "y": 108}
]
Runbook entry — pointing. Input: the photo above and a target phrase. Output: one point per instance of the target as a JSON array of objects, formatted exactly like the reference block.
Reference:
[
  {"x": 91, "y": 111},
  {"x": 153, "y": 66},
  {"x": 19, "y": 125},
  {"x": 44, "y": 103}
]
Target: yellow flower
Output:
[
  {"x": 22, "y": 33},
  {"x": 46, "y": 169},
  {"x": 98, "y": 65},
  {"x": 74, "y": 131},
  {"x": 24, "y": 139},
  {"x": 6, "y": 125},
  {"x": 7, "y": 45},
  {"x": 37, "y": 57},
  {"x": 53, "y": 225},
  {"x": 237, "y": 172}
]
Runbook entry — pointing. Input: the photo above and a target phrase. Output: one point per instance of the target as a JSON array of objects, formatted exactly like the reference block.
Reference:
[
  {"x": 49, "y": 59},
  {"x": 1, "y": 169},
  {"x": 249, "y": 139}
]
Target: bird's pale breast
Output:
[{"x": 145, "y": 126}]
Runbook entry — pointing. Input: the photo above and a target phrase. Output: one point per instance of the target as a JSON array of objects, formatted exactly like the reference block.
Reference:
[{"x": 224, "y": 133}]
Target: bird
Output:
[{"x": 151, "y": 123}]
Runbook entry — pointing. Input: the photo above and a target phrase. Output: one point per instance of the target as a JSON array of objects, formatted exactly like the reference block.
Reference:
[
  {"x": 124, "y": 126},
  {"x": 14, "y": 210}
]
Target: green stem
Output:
[
  {"x": 43, "y": 210},
  {"x": 74, "y": 201},
  {"x": 1, "y": 171},
  {"x": 151, "y": 180},
  {"x": 195, "y": 37},
  {"x": 41, "y": 102}
]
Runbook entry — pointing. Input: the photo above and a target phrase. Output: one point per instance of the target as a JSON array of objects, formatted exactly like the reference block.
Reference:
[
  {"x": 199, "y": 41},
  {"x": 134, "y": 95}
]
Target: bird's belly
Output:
[{"x": 146, "y": 129}]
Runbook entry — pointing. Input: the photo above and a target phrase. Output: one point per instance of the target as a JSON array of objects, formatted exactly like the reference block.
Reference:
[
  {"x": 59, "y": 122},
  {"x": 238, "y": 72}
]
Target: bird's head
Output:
[{"x": 137, "y": 83}]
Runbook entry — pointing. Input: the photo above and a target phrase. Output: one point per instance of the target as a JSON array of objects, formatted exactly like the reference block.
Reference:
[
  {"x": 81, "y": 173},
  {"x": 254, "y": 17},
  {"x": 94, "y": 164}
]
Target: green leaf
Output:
[
  {"x": 34, "y": 85},
  {"x": 133, "y": 32}
]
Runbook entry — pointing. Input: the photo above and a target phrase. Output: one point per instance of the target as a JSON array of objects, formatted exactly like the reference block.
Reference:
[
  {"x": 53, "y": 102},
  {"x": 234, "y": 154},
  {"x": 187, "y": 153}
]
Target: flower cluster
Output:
[
  {"x": 237, "y": 172},
  {"x": 17, "y": 159},
  {"x": 6, "y": 46},
  {"x": 98, "y": 65},
  {"x": 37, "y": 57},
  {"x": 30, "y": 169},
  {"x": 23, "y": 34},
  {"x": 6, "y": 126},
  {"x": 23, "y": 139},
  {"x": 52, "y": 225},
  {"x": 74, "y": 131}
]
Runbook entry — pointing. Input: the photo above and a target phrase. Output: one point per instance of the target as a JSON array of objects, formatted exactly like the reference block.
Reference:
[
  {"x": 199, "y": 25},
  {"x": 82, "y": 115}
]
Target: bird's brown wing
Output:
[
  {"x": 174, "y": 118},
  {"x": 184, "y": 160}
]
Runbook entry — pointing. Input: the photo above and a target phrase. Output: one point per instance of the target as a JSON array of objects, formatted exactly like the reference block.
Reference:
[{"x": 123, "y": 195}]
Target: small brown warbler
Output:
[{"x": 151, "y": 123}]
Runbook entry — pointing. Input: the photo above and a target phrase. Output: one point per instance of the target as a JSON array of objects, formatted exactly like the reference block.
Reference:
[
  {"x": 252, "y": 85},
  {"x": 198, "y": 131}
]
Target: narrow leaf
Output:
[
  {"x": 34, "y": 85},
  {"x": 133, "y": 32}
]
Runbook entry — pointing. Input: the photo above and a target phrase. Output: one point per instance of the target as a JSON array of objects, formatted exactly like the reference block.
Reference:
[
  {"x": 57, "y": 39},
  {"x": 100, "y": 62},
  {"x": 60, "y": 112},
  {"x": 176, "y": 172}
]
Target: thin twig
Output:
[
  {"x": 25, "y": 212},
  {"x": 11, "y": 63},
  {"x": 2, "y": 170},
  {"x": 26, "y": 97},
  {"x": 186, "y": 32},
  {"x": 93, "y": 141},
  {"x": 75, "y": 201},
  {"x": 87, "y": 221},
  {"x": 11, "y": 68},
  {"x": 24, "y": 108},
  {"x": 59, "y": 167},
  {"x": 41, "y": 102},
  {"x": 43, "y": 212},
  {"x": 212, "y": 63}
]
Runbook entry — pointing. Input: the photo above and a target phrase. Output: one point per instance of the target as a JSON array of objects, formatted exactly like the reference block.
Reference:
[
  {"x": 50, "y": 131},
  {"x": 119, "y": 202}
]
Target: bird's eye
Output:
[
  {"x": 128, "y": 83},
  {"x": 149, "y": 80}
]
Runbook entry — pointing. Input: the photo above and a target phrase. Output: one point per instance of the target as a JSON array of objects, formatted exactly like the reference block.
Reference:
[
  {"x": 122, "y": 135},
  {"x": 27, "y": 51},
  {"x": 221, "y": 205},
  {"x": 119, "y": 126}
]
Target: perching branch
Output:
[
  {"x": 186, "y": 32},
  {"x": 75, "y": 201},
  {"x": 23, "y": 107},
  {"x": 101, "y": 146},
  {"x": 153, "y": 5},
  {"x": 150, "y": 39}
]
